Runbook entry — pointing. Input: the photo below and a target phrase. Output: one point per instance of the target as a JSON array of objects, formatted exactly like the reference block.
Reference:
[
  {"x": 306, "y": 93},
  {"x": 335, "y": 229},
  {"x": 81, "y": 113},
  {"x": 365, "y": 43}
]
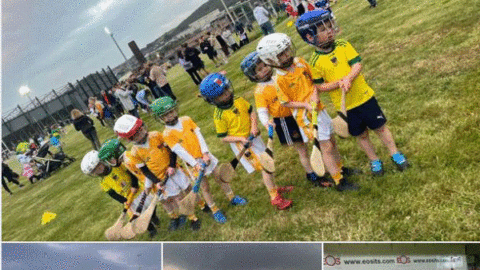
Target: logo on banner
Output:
[
  {"x": 403, "y": 259},
  {"x": 331, "y": 260}
]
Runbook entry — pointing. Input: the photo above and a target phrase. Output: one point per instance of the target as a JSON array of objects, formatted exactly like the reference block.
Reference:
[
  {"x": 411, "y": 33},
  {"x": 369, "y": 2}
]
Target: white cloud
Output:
[
  {"x": 114, "y": 256},
  {"x": 172, "y": 267}
]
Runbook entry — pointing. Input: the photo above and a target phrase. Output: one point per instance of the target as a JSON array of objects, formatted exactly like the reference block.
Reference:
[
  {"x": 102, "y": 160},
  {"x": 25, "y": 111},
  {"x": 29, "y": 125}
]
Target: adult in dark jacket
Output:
[
  {"x": 192, "y": 54},
  {"x": 223, "y": 44},
  {"x": 83, "y": 123},
  {"x": 10, "y": 176}
]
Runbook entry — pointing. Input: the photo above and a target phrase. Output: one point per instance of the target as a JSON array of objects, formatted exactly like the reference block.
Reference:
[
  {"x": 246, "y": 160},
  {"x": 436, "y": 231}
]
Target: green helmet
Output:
[
  {"x": 163, "y": 105},
  {"x": 112, "y": 148}
]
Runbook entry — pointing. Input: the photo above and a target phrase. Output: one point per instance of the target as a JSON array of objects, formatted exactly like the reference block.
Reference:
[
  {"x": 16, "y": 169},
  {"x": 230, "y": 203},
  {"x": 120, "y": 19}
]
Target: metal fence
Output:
[{"x": 33, "y": 119}]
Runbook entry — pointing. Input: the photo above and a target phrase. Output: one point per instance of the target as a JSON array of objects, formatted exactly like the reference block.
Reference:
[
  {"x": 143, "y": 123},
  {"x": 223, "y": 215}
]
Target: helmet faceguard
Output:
[
  {"x": 127, "y": 127},
  {"x": 216, "y": 89},
  {"x": 93, "y": 166},
  {"x": 164, "y": 108},
  {"x": 111, "y": 151},
  {"x": 317, "y": 28},
  {"x": 255, "y": 69},
  {"x": 276, "y": 50}
]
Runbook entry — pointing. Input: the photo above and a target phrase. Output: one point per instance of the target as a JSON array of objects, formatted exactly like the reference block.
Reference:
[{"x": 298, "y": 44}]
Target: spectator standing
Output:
[
  {"x": 125, "y": 98},
  {"x": 83, "y": 123},
  {"x": 159, "y": 75},
  {"x": 223, "y": 44},
  {"x": 240, "y": 29},
  {"x": 262, "y": 16},
  {"x": 208, "y": 49},
  {"x": 228, "y": 37},
  {"x": 217, "y": 47},
  {"x": 189, "y": 68},
  {"x": 192, "y": 54}
]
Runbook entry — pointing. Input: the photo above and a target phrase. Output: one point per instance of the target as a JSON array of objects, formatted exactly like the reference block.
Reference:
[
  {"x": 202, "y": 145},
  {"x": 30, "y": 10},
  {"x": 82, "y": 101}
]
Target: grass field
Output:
[{"x": 422, "y": 58}]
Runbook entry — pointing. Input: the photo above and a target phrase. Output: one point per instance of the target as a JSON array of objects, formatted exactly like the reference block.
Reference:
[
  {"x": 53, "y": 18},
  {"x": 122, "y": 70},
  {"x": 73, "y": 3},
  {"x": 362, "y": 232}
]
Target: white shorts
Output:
[
  {"x": 325, "y": 126},
  {"x": 175, "y": 184},
  {"x": 212, "y": 165},
  {"x": 257, "y": 148}
]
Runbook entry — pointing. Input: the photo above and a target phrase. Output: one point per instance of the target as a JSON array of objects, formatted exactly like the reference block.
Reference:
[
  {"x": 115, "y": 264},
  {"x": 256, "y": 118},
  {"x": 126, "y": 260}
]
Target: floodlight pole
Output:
[
  {"x": 111, "y": 34},
  {"x": 228, "y": 12}
]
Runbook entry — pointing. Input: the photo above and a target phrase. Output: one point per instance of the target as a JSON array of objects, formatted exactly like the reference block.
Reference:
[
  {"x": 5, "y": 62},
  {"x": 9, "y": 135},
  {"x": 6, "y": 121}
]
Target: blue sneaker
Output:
[
  {"x": 237, "y": 200},
  {"x": 219, "y": 217},
  {"x": 377, "y": 167},
  {"x": 400, "y": 160}
]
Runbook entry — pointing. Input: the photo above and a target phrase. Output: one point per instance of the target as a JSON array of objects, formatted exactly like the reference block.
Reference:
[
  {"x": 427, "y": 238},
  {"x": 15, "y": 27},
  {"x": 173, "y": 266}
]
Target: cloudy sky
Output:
[
  {"x": 236, "y": 256},
  {"x": 46, "y": 44},
  {"x": 95, "y": 256}
]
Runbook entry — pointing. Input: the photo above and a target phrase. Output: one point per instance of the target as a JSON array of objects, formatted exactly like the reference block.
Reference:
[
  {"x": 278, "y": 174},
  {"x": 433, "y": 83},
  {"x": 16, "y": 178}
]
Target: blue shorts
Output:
[{"x": 369, "y": 114}]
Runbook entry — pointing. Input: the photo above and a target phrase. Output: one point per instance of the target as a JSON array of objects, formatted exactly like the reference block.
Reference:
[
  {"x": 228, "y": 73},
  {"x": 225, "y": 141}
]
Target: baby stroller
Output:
[{"x": 49, "y": 165}]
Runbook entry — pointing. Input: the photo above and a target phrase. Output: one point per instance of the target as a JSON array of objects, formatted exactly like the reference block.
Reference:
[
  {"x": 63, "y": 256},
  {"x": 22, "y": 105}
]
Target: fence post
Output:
[
  {"x": 27, "y": 116},
  {"x": 101, "y": 79},
  {"x": 46, "y": 112},
  {"x": 110, "y": 81},
  {"x": 116, "y": 79}
]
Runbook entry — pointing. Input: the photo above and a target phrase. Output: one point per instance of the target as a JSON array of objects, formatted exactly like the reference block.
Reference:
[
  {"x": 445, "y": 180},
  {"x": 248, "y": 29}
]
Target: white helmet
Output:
[
  {"x": 90, "y": 162},
  {"x": 271, "y": 46},
  {"x": 127, "y": 125}
]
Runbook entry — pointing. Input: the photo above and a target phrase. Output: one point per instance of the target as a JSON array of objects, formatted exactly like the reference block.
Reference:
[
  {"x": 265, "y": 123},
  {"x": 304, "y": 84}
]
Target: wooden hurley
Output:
[
  {"x": 227, "y": 170},
  {"x": 316, "y": 159},
  {"x": 266, "y": 158},
  {"x": 340, "y": 124}
]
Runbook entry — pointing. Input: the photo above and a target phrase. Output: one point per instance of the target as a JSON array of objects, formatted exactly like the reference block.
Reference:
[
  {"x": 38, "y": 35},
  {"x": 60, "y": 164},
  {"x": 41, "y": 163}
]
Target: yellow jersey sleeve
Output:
[
  {"x": 352, "y": 55},
  {"x": 130, "y": 165}
]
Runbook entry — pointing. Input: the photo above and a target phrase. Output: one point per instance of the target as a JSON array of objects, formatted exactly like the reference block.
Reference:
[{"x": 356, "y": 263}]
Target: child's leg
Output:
[
  {"x": 329, "y": 154},
  {"x": 365, "y": 143},
  {"x": 386, "y": 137},
  {"x": 302, "y": 150},
  {"x": 5, "y": 186}
]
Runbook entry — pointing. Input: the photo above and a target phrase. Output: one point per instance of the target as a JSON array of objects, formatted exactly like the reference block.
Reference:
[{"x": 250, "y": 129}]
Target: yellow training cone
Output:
[
  {"x": 289, "y": 24},
  {"x": 47, "y": 217}
]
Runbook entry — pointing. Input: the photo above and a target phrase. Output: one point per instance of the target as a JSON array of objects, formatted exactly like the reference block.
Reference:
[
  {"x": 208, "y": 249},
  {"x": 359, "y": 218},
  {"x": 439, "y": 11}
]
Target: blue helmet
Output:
[
  {"x": 213, "y": 86},
  {"x": 248, "y": 66},
  {"x": 308, "y": 22},
  {"x": 322, "y": 4}
]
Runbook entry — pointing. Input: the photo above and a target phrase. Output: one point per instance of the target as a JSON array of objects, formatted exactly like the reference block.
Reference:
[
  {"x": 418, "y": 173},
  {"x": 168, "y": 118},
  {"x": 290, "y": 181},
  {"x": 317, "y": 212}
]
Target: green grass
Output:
[{"x": 422, "y": 58}]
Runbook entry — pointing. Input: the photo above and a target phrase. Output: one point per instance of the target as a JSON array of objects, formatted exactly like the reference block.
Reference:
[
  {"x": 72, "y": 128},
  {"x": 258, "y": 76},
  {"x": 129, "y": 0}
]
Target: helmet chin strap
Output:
[
  {"x": 106, "y": 171},
  {"x": 226, "y": 105}
]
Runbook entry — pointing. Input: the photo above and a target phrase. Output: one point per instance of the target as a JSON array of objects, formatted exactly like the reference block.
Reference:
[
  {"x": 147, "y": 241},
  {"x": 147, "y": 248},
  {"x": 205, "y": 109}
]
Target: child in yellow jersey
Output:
[
  {"x": 296, "y": 91},
  {"x": 156, "y": 162},
  {"x": 183, "y": 136},
  {"x": 235, "y": 121},
  {"x": 267, "y": 104},
  {"x": 336, "y": 67},
  {"x": 121, "y": 185}
]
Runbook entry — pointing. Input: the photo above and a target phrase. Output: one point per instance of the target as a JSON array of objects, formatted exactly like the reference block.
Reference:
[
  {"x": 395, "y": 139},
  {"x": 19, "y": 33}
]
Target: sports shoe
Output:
[
  {"x": 346, "y": 186},
  {"x": 152, "y": 233},
  {"x": 281, "y": 203},
  {"x": 376, "y": 167},
  {"x": 237, "y": 200},
  {"x": 319, "y": 181},
  {"x": 206, "y": 209},
  {"x": 350, "y": 171},
  {"x": 21, "y": 186},
  {"x": 285, "y": 189},
  {"x": 219, "y": 217},
  {"x": 155, "y": 220},
  {"x": 176, "y": 223},
  {"x": 400, "y": 160},
  {"x": 195, "y": 225}
]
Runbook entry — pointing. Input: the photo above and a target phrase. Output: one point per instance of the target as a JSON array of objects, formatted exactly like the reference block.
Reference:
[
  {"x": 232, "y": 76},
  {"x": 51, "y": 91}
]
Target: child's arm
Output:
[
  {"x": 346, "y": 82},
  {"x": 203, "y": 146},
  {"x": 234, "y": 139},
  {"x": 253, "y": 124}
]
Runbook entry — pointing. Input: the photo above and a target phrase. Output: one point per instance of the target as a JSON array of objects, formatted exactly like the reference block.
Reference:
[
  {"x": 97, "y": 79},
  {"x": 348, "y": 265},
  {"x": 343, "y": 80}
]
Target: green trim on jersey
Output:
[
  {"x": 319, "y": 81},
  {"x": 354, "y": 61},
  {"x": 221, "y": 135}
]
